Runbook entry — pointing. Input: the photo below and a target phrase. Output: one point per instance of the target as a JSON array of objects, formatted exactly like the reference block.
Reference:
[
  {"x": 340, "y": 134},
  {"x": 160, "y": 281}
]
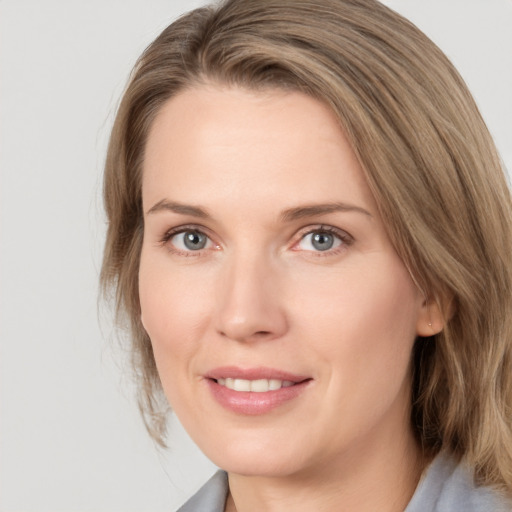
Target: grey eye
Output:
[
  {"x": 194, "y": 240},
  {"x": 190, "y": 240},
  {"x": 322, "y": 241}
]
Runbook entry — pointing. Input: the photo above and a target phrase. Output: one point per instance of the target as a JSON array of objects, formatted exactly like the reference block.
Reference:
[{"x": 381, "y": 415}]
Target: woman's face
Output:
[{"x": 281, "y": 318}]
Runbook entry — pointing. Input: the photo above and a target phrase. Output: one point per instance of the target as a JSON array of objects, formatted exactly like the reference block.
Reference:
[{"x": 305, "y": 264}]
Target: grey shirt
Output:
[{"x": 444, "y": 487}]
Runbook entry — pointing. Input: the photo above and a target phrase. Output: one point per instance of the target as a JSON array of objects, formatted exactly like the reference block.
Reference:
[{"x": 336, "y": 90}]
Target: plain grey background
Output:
[{"x": 70, "y": 435}]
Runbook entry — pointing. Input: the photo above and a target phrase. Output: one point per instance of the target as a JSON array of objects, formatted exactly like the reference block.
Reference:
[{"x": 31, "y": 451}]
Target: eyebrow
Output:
[
  {"x": 320, "y": 209},
  {"x": 287, "y": 215},
  {"x": 183, "y": 209}
]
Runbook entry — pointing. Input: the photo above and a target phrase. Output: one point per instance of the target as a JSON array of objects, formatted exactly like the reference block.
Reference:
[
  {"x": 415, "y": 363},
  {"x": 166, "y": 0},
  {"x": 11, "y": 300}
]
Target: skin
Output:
[{"x": 261, "y": 294}]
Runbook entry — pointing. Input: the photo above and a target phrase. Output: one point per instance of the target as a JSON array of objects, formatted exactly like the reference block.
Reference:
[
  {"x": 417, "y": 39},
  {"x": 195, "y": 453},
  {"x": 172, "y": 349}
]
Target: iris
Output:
[
  {"x": 322, "y": 241},
  {"x": 194, "y": 240}
]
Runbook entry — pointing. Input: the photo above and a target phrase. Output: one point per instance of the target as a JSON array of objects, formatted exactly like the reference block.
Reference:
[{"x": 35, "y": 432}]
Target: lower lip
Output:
[{"x": 253, "y": 403}]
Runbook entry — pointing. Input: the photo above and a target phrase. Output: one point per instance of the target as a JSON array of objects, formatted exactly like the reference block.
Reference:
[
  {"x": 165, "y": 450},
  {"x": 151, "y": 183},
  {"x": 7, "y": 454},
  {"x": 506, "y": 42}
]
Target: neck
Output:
[{"x": 380, "y": 472}]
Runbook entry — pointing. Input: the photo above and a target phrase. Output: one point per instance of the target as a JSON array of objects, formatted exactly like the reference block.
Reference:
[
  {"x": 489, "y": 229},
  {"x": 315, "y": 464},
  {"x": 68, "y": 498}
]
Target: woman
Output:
[{"x": 309, "y": 232}]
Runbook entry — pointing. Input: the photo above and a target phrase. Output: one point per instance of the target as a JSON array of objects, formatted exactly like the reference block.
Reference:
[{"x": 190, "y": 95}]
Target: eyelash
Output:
[
  {"x": 168, "y": 235},
  {"x": 345, "y": 238}
]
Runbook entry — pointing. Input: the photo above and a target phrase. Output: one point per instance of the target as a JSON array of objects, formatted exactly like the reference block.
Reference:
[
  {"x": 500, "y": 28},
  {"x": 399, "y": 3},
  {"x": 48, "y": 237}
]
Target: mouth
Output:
[
  {"x": 256, "y": 386},
  {"x": 254, "y": 391}
]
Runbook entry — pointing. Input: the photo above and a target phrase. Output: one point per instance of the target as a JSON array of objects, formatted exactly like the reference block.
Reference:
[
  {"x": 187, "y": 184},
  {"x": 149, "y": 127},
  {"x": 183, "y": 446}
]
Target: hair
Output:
[{"x": 428, "y": 159}]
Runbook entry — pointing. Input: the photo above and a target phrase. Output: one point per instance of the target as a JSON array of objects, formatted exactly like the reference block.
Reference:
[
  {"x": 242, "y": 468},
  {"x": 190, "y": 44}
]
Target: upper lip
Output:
[{"x": 262, "y": 372}]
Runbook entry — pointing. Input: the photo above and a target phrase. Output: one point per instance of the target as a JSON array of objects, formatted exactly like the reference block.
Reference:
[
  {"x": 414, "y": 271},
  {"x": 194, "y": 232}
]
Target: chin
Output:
[
  {"x": 263, "y": 466},
  {"x": 260, "y": 456}
]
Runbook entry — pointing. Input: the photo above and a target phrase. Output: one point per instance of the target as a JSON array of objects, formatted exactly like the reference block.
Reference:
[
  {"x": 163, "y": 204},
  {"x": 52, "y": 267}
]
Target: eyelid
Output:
[
  {"x": 164, "y": 240},
  {"x": 346, "y": 238}
]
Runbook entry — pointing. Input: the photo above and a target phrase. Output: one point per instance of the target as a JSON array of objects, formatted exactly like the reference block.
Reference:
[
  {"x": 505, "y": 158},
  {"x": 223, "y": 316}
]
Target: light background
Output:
[{"x": 70, "y": 435}]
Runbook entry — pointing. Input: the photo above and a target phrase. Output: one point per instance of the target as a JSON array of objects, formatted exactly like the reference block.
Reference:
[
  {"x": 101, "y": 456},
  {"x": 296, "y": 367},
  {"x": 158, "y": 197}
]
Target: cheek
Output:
[
  {"x": 362, "y": 329},
  {"x": 174, "y": 314},
  {"x": 173, "y": 307},
  {"x": 363, "y": 320}
]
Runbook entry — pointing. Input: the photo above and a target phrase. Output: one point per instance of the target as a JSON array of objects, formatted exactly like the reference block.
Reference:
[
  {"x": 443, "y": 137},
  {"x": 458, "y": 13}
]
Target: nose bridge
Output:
[{"x": 249, "y": 304}]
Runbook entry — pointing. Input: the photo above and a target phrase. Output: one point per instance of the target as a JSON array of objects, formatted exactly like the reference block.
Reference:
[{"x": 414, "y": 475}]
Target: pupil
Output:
[
  {"x": 322, "y": 241},
  {"x": 194, "y": 240}
]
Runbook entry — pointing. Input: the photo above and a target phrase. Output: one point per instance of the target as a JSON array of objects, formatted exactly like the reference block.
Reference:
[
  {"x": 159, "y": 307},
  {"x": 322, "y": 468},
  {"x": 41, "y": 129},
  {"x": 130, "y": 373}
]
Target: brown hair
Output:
[{"x": 429, "y": 161}]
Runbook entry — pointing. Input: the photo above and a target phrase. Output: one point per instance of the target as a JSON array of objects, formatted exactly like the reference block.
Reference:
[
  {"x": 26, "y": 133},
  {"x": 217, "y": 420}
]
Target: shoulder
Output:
[
  {"x": 449, "y": 487},
  {"x": 211, "y": 497}
]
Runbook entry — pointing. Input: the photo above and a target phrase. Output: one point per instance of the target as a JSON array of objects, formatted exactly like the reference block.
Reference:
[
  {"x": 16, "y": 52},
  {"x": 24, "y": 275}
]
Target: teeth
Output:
[{"x": 257, "y": 386}]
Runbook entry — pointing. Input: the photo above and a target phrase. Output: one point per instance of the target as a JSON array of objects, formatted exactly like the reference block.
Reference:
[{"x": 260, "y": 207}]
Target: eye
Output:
[
  {"x": 322, "y": 240},
  {"x": 189, "y": 240}
]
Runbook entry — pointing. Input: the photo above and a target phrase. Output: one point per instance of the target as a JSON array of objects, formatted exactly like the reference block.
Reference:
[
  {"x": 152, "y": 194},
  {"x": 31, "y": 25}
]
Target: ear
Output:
[{"x": 433, "y": 317}]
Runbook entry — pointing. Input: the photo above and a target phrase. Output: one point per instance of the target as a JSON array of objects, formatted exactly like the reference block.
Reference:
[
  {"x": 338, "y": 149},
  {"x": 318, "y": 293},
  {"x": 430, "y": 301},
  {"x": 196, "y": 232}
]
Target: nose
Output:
[{"x": 250, "y": 304}]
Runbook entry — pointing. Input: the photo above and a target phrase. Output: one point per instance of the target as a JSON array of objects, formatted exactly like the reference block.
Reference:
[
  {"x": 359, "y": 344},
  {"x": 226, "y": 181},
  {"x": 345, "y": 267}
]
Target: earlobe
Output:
[{"x": 431, "y": 319}]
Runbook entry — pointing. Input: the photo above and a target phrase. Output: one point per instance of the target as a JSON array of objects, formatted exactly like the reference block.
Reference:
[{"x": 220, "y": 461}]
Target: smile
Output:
[
  {"x": 256, "y": 386},
  {"x": 254, "y": 391}
]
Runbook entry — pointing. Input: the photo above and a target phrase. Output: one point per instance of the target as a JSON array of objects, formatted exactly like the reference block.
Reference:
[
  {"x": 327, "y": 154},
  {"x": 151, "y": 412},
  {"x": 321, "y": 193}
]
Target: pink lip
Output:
[
  {"x": 262, "y": 372},
  {"x": 249, "y": 402}
]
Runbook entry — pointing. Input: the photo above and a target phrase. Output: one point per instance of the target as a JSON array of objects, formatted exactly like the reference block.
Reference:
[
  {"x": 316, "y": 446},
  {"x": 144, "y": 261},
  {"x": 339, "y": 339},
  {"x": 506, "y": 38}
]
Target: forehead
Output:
[{"x": 232, "y": 141}]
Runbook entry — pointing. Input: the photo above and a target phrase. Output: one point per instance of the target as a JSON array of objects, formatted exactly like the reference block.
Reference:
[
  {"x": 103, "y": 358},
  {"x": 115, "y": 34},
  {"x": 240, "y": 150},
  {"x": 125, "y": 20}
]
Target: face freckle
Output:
[{"x": 291, "y": 322}]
